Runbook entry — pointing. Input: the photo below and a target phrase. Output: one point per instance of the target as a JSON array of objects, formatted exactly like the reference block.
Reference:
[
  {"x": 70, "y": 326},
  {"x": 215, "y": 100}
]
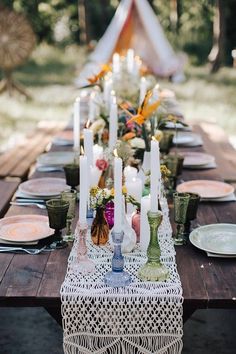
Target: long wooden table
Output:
[{"x": 27, "y": 280}]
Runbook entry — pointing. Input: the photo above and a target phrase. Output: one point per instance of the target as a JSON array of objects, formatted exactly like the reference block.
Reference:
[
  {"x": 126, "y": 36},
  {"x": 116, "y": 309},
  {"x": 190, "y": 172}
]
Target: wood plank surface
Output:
[
  {"x": 7, "y": 189},
  {"x": 207, "y": 282}
]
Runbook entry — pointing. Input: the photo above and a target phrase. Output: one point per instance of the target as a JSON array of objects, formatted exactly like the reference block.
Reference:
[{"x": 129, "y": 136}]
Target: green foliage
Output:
[{"x": 190, "y": 28}]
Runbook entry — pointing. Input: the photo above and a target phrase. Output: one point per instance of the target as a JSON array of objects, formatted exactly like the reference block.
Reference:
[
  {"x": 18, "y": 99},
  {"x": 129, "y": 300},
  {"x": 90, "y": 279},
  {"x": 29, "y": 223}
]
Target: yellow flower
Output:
[
  {"x": 94, "y": 190},
  {"x": 112, "y": 192},
  {"x": 124, "y": 189}
]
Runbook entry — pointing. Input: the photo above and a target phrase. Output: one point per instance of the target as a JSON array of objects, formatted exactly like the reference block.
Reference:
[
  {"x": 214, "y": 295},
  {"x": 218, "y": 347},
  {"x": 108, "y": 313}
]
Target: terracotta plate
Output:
[
  {"x": 206, "y": 188},
  {"x": 24, "y": 228},
  {"x": 192, "y": 159},
  {"x": 43, "y": 187},
  {"x": 57, "y": 158},
  {"x": 216, "y": 238}
]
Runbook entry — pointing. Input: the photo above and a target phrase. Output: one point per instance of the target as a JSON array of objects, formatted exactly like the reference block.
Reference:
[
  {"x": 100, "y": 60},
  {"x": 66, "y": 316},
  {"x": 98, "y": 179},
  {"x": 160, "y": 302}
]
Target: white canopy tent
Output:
[{"x": 136, "y": 26}]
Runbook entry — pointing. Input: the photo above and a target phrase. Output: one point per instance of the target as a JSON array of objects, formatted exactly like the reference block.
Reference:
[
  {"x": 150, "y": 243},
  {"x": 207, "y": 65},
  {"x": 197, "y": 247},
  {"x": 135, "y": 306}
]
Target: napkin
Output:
[
  {"x": 229, "y": 198},
  {"x": 48, "y": 168},
  {"x": 197, "y": 141}
]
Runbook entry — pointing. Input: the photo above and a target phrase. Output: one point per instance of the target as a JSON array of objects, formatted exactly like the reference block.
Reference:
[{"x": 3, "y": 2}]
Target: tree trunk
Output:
[
  {"x": 216, "y": 56},
  {"x": 82, "y": 22}
]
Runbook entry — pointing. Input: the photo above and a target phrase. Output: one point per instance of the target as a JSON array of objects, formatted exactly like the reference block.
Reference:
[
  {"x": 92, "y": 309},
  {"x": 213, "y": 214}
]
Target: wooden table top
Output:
[{"x": 27, "y": 280}]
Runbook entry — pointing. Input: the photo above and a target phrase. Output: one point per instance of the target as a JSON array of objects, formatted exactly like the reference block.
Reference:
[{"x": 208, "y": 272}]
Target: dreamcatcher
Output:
[{"x": 17, "y": 40}]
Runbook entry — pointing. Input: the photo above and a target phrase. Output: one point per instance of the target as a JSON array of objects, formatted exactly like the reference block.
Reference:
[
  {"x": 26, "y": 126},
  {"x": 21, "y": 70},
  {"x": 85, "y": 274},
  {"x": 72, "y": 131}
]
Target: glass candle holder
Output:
[
  {"x": 72, "y": 175},
  {"x": 181, "y": 202},
  {"x": 57, "y": 213},
  {"x": 71, "y": 197},
  {"x": 153, "y": 269}
]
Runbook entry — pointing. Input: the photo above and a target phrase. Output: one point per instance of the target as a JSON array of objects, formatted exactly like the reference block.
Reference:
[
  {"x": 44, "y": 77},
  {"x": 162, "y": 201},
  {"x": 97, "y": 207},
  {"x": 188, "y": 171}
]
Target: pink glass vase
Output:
[{"x": 109, "y": 214}]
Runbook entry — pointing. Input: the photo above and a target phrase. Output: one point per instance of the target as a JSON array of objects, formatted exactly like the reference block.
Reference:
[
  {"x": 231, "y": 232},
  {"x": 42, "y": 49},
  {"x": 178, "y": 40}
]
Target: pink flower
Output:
[{"x": 102, "y": 164}]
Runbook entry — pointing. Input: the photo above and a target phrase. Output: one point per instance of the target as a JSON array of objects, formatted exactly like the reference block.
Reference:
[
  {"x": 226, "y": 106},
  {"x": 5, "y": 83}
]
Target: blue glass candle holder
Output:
[{"x": 117, "y": 277}]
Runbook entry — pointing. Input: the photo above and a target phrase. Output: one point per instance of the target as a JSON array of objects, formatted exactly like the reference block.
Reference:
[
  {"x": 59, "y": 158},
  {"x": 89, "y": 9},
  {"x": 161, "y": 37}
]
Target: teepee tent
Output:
[{"x": 136, "y": 26}]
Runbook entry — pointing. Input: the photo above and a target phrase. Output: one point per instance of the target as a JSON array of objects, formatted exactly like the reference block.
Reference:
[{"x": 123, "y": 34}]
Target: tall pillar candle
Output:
[
  {"x": 76, "y": 124},
  {"x": 144, "y": 225},
  {"x": 118, "y": 194},
  {"x": 130, "y": 61},
  {"x": 142, "y": 89},
  {"x": 134, "y": 188},
  {"x": 107, "y": 90},
  {"x": 113, "y": 123},
  {"x": 116, "y": 63},
  {"x": 83, "y": 189},
  {"x": 155, "y": 175}
]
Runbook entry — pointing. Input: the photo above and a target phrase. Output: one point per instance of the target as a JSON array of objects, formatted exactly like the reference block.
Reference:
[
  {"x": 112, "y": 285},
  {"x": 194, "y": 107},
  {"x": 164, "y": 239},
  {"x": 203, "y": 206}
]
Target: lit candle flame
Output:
[
  {"x": 154, "y": 139},
  {"x": 115, "y": 153},
  {"x": 77, "y": 99},
  {"x": 81, "y": 150},
  {"x": 87, "y": 124}
]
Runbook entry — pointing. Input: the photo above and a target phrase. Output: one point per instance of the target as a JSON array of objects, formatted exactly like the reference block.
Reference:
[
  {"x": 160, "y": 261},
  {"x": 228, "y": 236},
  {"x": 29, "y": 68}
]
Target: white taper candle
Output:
[
  {"x": 76, "y": 124},
  {"x": 83, "y": 189},
  {"x": 155, "y": 175},
  {"x": 113, "y": 123},
  {"x": 118, "y": 194}
]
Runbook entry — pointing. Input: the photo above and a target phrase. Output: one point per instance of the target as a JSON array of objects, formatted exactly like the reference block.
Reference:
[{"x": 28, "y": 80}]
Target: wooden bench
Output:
[
  {"x": 7, "y": 189},
  {"x": 17, "y": 162},
  {"x": 216, "y": 143}
]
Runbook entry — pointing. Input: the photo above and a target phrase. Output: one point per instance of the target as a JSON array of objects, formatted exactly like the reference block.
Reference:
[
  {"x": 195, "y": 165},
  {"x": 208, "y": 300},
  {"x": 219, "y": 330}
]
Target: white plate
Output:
[
  {"x": 195, "y": 159},
  {"x": 215, "y": 238},
  {"x": 183, "y": 138},
  {"x": 57, "y": 158}
]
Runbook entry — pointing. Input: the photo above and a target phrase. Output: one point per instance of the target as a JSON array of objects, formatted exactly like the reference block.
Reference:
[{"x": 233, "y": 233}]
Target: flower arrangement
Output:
[{"x": 99, "y": 197}]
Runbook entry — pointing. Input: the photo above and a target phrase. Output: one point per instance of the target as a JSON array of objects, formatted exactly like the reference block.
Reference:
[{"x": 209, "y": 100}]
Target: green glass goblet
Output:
[
  {"x": 166, "y": 141},
  {"x": 181, "y": 201},
  {"x": 71, "y": 197},
  {"x": 174, "y": 163},
  {"x": 57, "y": 213},
  {"x": 191, "y": 211},
  {"x": 72, "y": 175}
]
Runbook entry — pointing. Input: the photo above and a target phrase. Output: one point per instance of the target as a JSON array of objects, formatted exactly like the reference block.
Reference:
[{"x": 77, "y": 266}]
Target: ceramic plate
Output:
[
  {"x": 43, "y": 187},
  {"x": 58, "y": 158},
  {"x": 215, "y": 238},
  {"x": 25, "y": 228},
  {"x": 183, "y": 138},
  {"x": 64, "y": 138},
  {"x": 206, "y": 188},
  {"x": 194, "y": 159}
]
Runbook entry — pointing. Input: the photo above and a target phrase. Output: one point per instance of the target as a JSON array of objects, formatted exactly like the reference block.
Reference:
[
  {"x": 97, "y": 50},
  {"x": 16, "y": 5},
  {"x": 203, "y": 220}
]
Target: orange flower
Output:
[
  {"x": 128, "y": 136},
  {"x": 144, "y": 111},
  {"x": 105, "y": 68}
]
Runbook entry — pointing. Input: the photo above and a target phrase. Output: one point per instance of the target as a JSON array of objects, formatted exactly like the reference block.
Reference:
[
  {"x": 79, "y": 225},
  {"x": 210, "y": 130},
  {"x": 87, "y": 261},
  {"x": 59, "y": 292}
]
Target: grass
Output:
[{"x": 49, "y": 76}]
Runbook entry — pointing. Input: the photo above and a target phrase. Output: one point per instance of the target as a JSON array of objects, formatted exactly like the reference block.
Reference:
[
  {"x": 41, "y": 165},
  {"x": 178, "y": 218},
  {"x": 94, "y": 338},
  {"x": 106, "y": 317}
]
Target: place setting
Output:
[
  {"x": 198, "y": 160},
  {"x": 209, "y": 190},
  {"x": 187, "y": 139}
]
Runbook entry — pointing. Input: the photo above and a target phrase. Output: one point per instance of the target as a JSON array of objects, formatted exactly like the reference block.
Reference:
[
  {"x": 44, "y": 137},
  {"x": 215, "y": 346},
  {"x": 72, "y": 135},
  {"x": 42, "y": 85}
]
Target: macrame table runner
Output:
[{"x": 143, "y": 318}]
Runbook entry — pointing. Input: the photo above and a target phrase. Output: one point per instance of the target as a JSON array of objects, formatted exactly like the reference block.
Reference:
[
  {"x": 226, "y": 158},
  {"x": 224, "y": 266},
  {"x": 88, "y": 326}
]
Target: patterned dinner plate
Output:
[
  {"x": 195, "y": 159},
  {"x": 43, "y": 187},
  {"x": 215, "y": 238},
  {"x": 206, "y": 188},
  {"x": 25, "y": 228}
]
